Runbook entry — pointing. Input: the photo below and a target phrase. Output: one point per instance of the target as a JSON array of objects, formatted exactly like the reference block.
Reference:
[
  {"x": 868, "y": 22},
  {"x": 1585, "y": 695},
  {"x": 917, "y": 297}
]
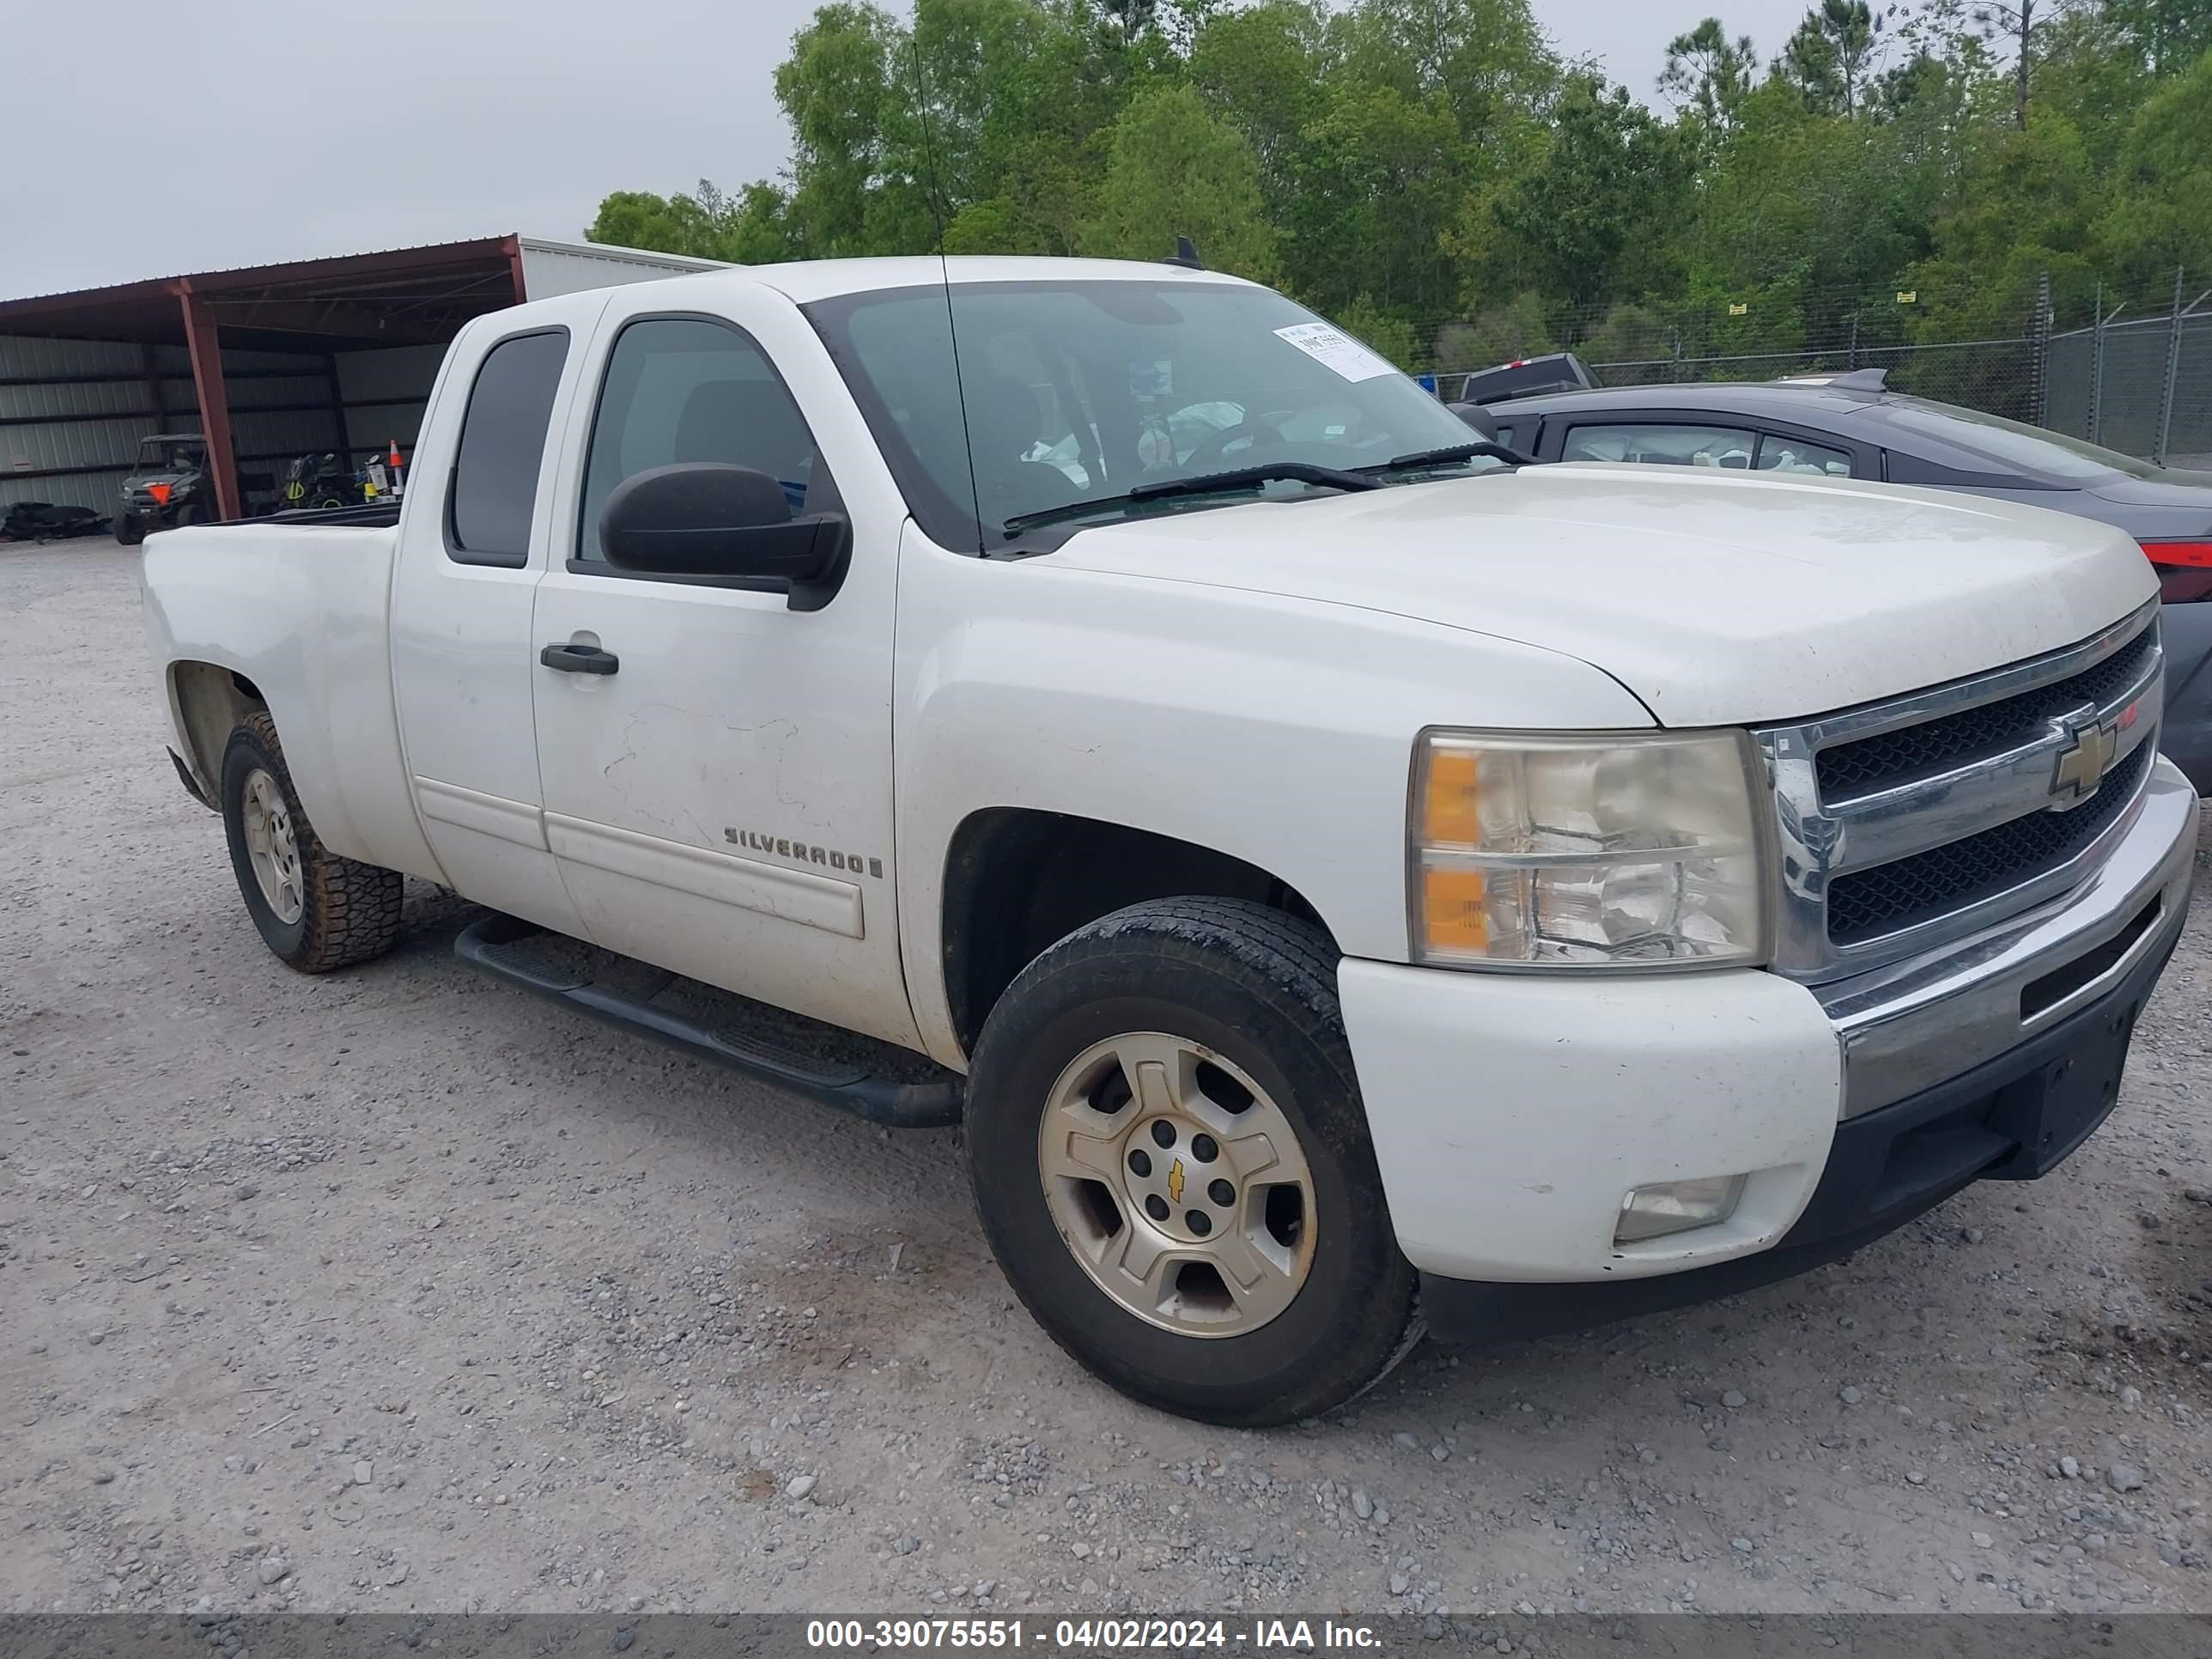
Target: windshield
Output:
[
  {"x": 1081, "y": 392},
  {"x": 2031, "y": 448},
  {"x": 167, "y": 455}
]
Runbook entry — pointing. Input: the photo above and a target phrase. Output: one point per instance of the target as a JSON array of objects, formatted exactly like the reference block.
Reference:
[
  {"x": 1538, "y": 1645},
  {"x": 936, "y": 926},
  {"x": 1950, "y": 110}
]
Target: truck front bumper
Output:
[{"x": 1513, "y": 1114}]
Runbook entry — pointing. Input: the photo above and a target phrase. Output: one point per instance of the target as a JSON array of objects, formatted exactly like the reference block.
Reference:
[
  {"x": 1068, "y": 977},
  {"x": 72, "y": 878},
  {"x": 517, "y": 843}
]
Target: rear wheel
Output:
[
  {"x": 317, "y": 911},
  {"x": 1173, "y": 1166}
]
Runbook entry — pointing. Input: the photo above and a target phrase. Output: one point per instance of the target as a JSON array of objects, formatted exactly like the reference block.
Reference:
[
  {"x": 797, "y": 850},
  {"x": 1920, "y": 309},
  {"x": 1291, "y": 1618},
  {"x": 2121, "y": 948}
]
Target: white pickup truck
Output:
[{"x": 1341, "y": 880}]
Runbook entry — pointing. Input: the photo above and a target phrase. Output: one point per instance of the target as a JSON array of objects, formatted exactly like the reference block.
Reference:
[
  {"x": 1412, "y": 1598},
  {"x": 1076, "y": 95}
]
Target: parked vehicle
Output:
[
  {"x": 1852, "y": 426},
  {"x": 169, "y": 486},
  {"x": 319, "y": 481},
  {"x": 1338, "y": 880}
]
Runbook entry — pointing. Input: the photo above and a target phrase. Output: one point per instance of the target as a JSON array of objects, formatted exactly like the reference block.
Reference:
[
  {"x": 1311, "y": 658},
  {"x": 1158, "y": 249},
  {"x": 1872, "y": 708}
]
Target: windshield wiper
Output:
[
  {"x": 1205, "y": 484},
  {"x": 1445, "y": 457}
]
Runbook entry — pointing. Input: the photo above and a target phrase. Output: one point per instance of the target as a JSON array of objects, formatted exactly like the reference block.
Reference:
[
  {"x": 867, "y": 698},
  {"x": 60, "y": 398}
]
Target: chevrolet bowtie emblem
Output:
[
  {"x": 2081, "y": 764},
  {"x": 1175, "y": 1181}
]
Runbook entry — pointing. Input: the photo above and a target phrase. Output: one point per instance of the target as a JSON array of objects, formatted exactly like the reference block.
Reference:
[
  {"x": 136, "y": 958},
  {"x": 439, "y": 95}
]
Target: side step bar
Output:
[{"x": 497, "y": 945}]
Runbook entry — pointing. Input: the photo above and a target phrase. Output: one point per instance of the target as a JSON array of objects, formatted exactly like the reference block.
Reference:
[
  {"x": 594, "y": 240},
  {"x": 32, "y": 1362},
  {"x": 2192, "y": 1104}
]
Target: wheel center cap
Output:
[{"x": 1174, "y": 1172}]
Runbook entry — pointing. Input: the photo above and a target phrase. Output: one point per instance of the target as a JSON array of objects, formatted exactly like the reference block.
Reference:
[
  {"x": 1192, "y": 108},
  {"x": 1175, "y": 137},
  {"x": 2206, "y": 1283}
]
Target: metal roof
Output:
[{"x": 395, "y": 296}]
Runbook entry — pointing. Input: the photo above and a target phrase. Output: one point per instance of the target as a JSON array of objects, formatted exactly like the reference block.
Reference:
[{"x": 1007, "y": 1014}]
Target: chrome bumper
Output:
[{"x": 1911, "y": 1025}]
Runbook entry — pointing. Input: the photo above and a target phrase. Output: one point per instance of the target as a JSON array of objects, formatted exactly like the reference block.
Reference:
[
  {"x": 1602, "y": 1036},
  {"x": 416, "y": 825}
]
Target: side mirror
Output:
[{"x": 708, "y": 519}]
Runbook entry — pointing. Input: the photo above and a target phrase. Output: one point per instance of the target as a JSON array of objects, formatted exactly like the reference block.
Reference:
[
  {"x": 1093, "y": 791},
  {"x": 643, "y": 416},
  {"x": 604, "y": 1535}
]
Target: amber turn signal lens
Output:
[
  {"x": 1449, "y": 817},
  {"x": 1452, "y": 910}
]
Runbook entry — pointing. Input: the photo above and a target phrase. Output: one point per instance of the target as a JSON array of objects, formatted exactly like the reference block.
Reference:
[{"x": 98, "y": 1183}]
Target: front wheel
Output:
[
  {"x": 317, "y": 911},
  {"x": 130, "y": 528},
  {"x": 1173, "y": 1167}
]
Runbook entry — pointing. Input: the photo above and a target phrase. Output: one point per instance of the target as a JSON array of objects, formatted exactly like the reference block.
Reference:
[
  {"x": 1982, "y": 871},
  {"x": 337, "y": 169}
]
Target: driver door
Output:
[{"x": 720, "y": 803}]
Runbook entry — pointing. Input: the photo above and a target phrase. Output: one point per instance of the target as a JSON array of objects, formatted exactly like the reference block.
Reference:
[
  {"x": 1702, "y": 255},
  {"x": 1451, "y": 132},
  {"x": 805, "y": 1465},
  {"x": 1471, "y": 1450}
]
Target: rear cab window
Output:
[{"x": 494, "y": 496}]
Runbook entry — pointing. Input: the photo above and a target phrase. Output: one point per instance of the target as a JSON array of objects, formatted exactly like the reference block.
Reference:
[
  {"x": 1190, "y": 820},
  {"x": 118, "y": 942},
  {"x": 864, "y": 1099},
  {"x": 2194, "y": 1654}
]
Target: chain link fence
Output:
[{"x": 2134, "y": 374}]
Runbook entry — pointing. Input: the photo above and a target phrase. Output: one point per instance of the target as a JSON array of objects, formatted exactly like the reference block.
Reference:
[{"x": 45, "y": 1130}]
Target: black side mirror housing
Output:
[{"x": 711, "y": 520}]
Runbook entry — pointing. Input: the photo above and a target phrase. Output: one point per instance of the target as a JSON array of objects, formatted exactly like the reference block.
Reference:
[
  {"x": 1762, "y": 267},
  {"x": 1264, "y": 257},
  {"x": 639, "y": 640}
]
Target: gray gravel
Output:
[{"x": 397, "y": 1290}]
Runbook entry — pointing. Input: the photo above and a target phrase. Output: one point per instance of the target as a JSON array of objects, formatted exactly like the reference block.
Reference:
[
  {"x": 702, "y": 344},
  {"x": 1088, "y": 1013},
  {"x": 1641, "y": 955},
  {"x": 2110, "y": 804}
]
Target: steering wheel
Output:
[{"x": 1211, "y": 450}]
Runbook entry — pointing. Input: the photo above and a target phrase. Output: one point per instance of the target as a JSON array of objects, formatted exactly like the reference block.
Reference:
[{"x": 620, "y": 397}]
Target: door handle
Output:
[{"x": 569, "y": 657}]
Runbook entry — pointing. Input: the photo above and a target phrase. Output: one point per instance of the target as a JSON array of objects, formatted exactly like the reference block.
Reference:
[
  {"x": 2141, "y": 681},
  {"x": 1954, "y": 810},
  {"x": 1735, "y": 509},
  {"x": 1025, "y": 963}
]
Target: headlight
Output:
[{"x": 1615, "y": 851}]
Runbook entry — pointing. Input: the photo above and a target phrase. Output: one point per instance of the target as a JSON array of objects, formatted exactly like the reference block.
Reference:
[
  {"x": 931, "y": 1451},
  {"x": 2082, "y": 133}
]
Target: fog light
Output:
[{"x": 1675, "y": 1206}]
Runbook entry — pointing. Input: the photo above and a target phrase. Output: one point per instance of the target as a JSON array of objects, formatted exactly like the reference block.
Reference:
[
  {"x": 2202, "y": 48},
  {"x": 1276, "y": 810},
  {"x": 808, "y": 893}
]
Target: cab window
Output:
[
  {"x": 688, "y": 389},
  {"x": 495, "y": 490}
]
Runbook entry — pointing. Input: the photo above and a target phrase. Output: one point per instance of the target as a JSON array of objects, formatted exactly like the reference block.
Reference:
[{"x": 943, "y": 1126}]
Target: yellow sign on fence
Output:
[
  {"x": 1739, "y": 308},
  {"x": 1906, "y": 297}
]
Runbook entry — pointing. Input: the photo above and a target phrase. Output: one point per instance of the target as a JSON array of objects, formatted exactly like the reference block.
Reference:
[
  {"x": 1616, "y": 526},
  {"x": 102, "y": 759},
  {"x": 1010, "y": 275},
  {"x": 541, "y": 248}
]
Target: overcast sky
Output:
[{"x": 147, "y": 138}]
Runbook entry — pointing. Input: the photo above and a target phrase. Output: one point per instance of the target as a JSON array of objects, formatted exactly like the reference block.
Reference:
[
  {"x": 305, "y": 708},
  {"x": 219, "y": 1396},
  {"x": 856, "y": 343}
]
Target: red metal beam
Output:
[
  {"x": 511, "y": 244},
  {"x": 200, "y": 337}
]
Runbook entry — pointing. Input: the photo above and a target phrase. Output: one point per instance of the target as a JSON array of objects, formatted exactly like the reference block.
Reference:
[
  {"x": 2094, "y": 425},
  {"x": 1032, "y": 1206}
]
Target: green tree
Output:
[
  {"x": 1495, "y": 334},
  {"x": 1386, "y": 332},
  {"x": 1708, "y": 75},
  {"x": 2025, "y": 206},
  {"x": 1834, "y": 54},
  {"x": 2160, "y": 214},
  {"x": 1174, "y": 169},
  {"x": 1262, "y": 70},
  {"x": 1376, "y": 181},
  {"x": 749, "y": 228},
  {"x": 1594, "y": 220},
  {"x": 2164, "y": 36}
]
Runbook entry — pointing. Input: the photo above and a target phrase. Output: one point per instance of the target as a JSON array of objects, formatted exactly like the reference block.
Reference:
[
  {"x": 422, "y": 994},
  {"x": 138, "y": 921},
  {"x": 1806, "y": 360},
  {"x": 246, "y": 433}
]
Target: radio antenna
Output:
[{"x": 943, "y": 269}]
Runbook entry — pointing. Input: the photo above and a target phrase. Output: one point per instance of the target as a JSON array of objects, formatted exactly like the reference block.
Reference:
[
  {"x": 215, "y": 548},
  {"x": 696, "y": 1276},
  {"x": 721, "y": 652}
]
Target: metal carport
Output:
[{"x": 268, "y": 362}]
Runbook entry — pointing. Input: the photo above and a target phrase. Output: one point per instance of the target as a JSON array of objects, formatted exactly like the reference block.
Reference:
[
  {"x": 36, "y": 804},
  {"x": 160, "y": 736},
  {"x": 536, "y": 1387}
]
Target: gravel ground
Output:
[{"x": 399, "y": 1289}]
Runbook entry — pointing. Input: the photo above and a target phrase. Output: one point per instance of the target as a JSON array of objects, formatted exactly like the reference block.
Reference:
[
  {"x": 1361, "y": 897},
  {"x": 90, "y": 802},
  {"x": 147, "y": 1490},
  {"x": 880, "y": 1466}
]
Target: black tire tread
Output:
[
  {"x": 1272, "y": 954},
  {"x": 353, "y": 909}
]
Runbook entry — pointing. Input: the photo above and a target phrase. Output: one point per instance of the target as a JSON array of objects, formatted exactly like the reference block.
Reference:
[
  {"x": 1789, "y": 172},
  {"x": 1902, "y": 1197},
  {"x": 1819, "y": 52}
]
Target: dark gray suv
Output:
[{"x": 1849, "y": 426}]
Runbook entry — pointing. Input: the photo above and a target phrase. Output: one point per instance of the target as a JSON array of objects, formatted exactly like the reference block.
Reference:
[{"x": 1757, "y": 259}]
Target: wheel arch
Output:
[
  {"x": 210, "y": 701},
  {"x": 1019, "y": 879}
]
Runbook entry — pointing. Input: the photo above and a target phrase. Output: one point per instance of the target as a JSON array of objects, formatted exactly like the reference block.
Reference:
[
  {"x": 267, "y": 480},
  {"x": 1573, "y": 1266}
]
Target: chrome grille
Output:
[
  {"x": 1905, "y": 823},
  {"x": 1918, "y": 751},
  {"x": 1907, "y": 892}
]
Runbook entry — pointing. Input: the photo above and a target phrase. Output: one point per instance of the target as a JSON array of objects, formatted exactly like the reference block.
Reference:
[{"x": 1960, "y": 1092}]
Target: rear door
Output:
[
  {"x": 718, "y": 783},
  {"x": 473, "y": 542}
]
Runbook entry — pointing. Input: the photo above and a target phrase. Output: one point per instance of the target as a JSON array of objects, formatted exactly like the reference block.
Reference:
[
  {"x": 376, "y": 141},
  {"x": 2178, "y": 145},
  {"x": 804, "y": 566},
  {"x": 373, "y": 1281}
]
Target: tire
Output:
[
  {"x": 130, "y": 529},
  {"x": 1238, "y": 1001},
  {"x": 340, "y": 912}
]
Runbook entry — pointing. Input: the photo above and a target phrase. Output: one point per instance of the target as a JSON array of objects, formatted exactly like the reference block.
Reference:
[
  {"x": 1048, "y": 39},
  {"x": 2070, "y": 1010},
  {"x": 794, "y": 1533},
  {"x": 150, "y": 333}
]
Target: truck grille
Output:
[
  {"x": 1851, "y": 769},
  {"x": 1906, "y": 824},
  {"x": 1931, "y": 884}
]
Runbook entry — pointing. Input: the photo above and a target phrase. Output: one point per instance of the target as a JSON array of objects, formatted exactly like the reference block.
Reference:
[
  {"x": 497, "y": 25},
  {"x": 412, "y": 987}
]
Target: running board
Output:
[{"x": 499, "y": 945}]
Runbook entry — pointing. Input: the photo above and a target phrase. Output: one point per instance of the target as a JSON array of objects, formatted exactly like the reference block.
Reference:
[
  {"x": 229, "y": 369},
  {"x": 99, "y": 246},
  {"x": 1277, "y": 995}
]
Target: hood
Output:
[{"x": 1718, "y": 599}]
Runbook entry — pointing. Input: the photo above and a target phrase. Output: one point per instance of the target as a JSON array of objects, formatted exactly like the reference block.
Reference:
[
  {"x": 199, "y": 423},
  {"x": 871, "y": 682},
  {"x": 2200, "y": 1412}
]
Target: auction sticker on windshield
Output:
[{"x": 1336, "y": 349}]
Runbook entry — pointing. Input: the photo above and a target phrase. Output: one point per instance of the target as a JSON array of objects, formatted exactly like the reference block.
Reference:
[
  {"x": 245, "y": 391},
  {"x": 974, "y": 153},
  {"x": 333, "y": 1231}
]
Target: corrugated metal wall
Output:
[
  {"x": 385, "y": 392},
  {"x": 54, "y": 416}
]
